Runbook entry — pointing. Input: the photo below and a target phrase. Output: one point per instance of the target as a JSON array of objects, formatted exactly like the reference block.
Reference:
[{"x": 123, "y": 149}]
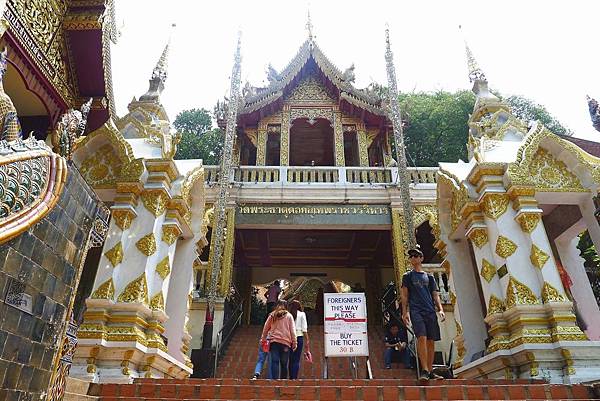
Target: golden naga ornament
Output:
[
  {"x": 528, "y": 221},
  {"x": 538, "y": 257},
  {"x": 479, "y": 237},
  {"x": 505, "y": 247},
  {"x": 115, "y": 254},
  {"x": 162, "y": 268},
  {"x": 495, "y": 204},
  {"x": 518, "y": 293},
  {"x": 157, "y": 302},
  {"x": 495, "y": 305},
  {"x": 147, "y": 244},
  {"x": 551, "y": 294},
  {"x": 136, "y": 291},
  {"x": 155, "y": 201},
  {"x": 488, "y": 270},
  {"x": 105, "y": 291}
]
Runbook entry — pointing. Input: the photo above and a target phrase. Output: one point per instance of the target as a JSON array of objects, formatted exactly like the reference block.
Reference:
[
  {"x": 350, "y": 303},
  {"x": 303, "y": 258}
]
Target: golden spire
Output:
[
  {"x": 159, "y": 73},
  {"x": 309, "y": 27}
]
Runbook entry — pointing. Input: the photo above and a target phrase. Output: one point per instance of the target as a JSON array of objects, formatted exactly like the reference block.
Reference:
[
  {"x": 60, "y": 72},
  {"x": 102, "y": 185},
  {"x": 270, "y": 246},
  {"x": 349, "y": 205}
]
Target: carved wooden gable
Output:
[{"x": 310, "y": 90}]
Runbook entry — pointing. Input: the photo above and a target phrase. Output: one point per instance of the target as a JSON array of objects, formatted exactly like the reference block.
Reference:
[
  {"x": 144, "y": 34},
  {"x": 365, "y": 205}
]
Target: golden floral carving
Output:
[
  {"x": 338, "y": 139},
  {"x": 505, "y": 247},
  {"x": 123, "y": 218},
  {"x": 551, "y": 294},
  {"x": 568, "y": 361},
  {"x": 115, "y": 254},
  {"x": 284, "y": 149},
  {"x": 518, "y": 293},
  {"x": 162, "y": 268},
  {"x": 495, "y": 204},
  {"x": 157, "y": 302},
  {"x": 488, "y": 270},
  {"x": 105, "y": 291},
  {"x": 452, "y": 298},
  {"x": 459, "y": 329},
  {"x": 136, "y": 291},
  {"x": 495, "y": 305},
  {"x": 538, "y": 257},
  {"x": 170, "y": 233},
  {"x": 568, "y": 333},
  {"x": 446, "y": 266},
  {"x": 478, "y": 236},
  {"x": 528, "y": 221},
  {"x": 155, "y": 201},
  {"x": 101, "y": 169},
  {"x": 550, "y": 174},
  {"x": 310, "y": 90},
  {"x": 132, "y": 171},
  {"x": 147, "y": 244}
]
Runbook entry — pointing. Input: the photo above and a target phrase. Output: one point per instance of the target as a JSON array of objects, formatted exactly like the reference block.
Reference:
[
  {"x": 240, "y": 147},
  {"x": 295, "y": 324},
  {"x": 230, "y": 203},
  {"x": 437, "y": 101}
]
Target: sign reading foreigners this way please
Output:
[{"x": 345, "y": 324}]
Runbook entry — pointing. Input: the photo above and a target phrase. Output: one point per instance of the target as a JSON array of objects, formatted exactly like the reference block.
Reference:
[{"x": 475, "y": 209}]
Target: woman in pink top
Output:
[{"x": 282, "y": 333}]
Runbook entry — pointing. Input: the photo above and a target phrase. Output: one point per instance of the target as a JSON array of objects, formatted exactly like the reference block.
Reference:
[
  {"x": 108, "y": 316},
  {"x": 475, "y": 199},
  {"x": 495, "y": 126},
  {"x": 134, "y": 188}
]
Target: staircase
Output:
[{"x": 239, "y": 358}]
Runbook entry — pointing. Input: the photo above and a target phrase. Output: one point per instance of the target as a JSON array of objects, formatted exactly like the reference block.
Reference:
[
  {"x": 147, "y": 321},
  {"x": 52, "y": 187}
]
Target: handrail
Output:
[{"x": 231, "y": 324}]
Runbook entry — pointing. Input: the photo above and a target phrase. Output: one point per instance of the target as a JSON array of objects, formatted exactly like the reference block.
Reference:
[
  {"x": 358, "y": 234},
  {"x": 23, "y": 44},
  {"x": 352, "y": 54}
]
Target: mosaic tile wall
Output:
[{"x": 38, "y": 272}]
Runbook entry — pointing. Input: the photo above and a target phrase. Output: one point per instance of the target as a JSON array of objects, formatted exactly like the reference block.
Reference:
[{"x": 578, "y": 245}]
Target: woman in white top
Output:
[{"x": 295, "y": 308}]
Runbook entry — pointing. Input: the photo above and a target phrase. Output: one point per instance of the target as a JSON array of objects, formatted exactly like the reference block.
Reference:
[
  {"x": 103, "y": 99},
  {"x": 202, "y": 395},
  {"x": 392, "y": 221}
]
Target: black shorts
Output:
[{"x": 425, "y": 324}]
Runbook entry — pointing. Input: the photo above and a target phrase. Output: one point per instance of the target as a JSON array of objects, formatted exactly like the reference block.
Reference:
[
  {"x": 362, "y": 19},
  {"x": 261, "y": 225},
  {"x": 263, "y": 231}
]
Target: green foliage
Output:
[
  {"x": 198, "y": 139},
  {"x": 527, "y": 110},
  {"x": 592, "y": 262}
]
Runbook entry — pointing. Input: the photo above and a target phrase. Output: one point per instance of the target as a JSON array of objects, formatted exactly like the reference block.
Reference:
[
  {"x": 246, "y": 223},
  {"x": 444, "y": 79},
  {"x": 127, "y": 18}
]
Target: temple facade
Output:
[{"x": 119, "y": 262}]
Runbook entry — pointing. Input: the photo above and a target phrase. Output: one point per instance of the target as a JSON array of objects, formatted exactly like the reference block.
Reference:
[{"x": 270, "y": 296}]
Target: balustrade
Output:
[
  {"x": 441, "y": 279},
  {"x": 322, "y": 175}
]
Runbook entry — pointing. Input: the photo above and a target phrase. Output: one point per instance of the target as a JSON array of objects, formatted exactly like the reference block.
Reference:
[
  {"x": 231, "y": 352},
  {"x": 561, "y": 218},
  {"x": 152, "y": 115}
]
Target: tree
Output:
[
  {"x": 198, "y": 139},
  {"x": 436, "y": 124}
]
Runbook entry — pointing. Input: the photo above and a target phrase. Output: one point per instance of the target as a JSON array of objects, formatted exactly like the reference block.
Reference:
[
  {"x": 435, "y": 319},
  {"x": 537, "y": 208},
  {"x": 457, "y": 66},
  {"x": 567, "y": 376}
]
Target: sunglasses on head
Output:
[{"x": 414, "y": 255}]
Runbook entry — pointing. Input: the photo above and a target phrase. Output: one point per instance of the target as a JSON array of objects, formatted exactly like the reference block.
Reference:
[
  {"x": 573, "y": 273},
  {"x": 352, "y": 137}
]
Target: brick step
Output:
[{"x": 331, "y": 390}]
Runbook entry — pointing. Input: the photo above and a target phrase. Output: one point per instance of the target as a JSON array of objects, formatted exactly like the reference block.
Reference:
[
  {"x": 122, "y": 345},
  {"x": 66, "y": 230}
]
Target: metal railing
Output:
[
  {"x": 230, "y": 323},
  {"x": 293, "y": 175}
]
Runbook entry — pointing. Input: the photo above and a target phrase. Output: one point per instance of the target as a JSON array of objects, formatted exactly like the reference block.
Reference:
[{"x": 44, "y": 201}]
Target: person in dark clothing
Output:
[
  {"x": 396, "y": 344},
  {"x": 420, "y": 296}
]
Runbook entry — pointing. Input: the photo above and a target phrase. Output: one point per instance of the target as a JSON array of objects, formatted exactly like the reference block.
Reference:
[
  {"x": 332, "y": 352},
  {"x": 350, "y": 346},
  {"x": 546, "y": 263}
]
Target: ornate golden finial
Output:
[
  {"x": 475, "y": 73},
  {"x": 159, "y": 74},
  {"x": 309, "y": 27}
]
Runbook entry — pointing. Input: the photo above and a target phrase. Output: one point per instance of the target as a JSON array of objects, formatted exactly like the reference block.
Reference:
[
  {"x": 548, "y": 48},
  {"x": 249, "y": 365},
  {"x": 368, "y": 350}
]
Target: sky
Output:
[{"x": 546, "y": 51}]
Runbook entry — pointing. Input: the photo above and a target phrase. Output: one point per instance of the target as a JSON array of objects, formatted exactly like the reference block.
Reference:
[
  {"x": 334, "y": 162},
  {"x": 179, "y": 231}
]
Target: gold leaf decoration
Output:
[
  {"x": 452, "y": 298},
  {"x": 550, "y": 174},
  {"x": 123, "y": 218},
  {"x": 446, "y": 266},
  {"x": 495, "y": 204},
  {"x": 518, "y": 293},
  {"x": 488, "y": 270},
  {"x": 538, "y": 257},
  {"x": 479, "y": 237},
  {"x": 132, "y": 171},
  {"x": 155, "y": 201},
  {"x": 170, "y": 233},
  {"x": 505, "y": 247},
  {"x": 105, "y": 291},
  {"x": 495, "y": 305},
  {"x": 162, "y": 268},
  {"x": 551, "y": 294},
  {"x": 115, "y": 254},
  {"x": 136, "y": 291},
  {"x": 157, "y": 302},
  {"x": 147, "y": 244},
  {"x": 459, "y": 329},
  {"x": 528, "y": 221}
]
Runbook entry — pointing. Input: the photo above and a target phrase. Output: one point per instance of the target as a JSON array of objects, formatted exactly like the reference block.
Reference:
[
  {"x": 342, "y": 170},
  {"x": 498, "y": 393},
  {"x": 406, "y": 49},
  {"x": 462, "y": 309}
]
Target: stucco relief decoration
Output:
[
  {"x": 551, "y": 294},
  {"x": 101, "y": 169},
  {"x": 162, "y": 268},
  {"x": 312, "y": 114},
  {"x": 155, "y": 202},
  {"x": 505, "y": 247},
  {"x": 479, "y": 237},
  {"x": 488, "y": 270},
  {"x": 170, "y": 233},
  {"x": 123, "y": 218},
  {"x": 528, "y": 221},
  {"x": 538, "y": 257},
  {"x": 136, "y": 291},
  {"x": 147, "y": 244},
  {"x": 115, "y": 254},
  {"x": 495, "y": 305},
  {"x": 106, "y": 290},
  {"x": 518, "y": 293},
  {"x": 132, "y": 171},
  {"x": 495, "y": 204},
  {"x": 550, "y": 174},
  {"x": 310, "y": 90},
  {"x": 157, "y": 302}
]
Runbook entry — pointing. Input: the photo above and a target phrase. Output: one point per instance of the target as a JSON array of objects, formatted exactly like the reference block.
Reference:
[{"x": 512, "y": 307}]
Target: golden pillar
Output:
[
  {"x": 261, "y": 145},
  {"x": 338, "y": 139},
  {"x": 228, "y": 251},
  {"x": 399, "y": 246},
  {"x": 363, "y": 149},
  {"x": 285, "y": 137}
]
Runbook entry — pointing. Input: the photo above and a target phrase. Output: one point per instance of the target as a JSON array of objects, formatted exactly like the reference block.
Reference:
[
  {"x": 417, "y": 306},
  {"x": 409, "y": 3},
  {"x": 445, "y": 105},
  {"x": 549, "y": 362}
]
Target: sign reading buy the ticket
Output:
[{"x": 345, "y": 324}]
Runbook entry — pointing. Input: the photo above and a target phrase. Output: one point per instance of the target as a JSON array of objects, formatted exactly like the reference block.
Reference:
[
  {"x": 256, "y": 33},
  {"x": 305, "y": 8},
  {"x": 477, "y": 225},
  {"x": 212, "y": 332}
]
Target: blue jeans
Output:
[
  {"x": 404, "y": 357},
  {"x": 262, "y": 356},
  {"x": 280, "y": 355},
  {"x": 295, "y": 359}
]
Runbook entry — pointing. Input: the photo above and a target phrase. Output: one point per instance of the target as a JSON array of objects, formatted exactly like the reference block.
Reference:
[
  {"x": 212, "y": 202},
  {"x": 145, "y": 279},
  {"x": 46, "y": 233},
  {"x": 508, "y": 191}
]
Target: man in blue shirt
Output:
[
  {"x": 396, "y": 343},
  {"x": 420, "y": 296}
]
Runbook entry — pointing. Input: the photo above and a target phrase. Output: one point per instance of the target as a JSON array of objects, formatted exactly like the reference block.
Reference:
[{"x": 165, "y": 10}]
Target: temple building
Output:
[{"x": 120, "y": 264}]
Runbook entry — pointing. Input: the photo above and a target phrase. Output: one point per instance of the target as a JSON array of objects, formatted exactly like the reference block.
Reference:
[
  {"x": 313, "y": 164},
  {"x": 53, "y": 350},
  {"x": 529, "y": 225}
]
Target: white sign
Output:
[{"x": 345, "y": 324}]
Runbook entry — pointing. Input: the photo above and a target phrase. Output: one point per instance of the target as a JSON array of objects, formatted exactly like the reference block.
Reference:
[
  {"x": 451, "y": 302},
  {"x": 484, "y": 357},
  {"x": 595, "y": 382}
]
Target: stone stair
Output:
[
  {"x": 339, "y": 390},
  {"x": 239, "y": 358}
]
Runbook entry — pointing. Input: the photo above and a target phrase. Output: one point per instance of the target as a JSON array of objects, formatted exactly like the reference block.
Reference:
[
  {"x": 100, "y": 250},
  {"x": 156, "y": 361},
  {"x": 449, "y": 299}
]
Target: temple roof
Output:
[{"x": 279, "y": 83}]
